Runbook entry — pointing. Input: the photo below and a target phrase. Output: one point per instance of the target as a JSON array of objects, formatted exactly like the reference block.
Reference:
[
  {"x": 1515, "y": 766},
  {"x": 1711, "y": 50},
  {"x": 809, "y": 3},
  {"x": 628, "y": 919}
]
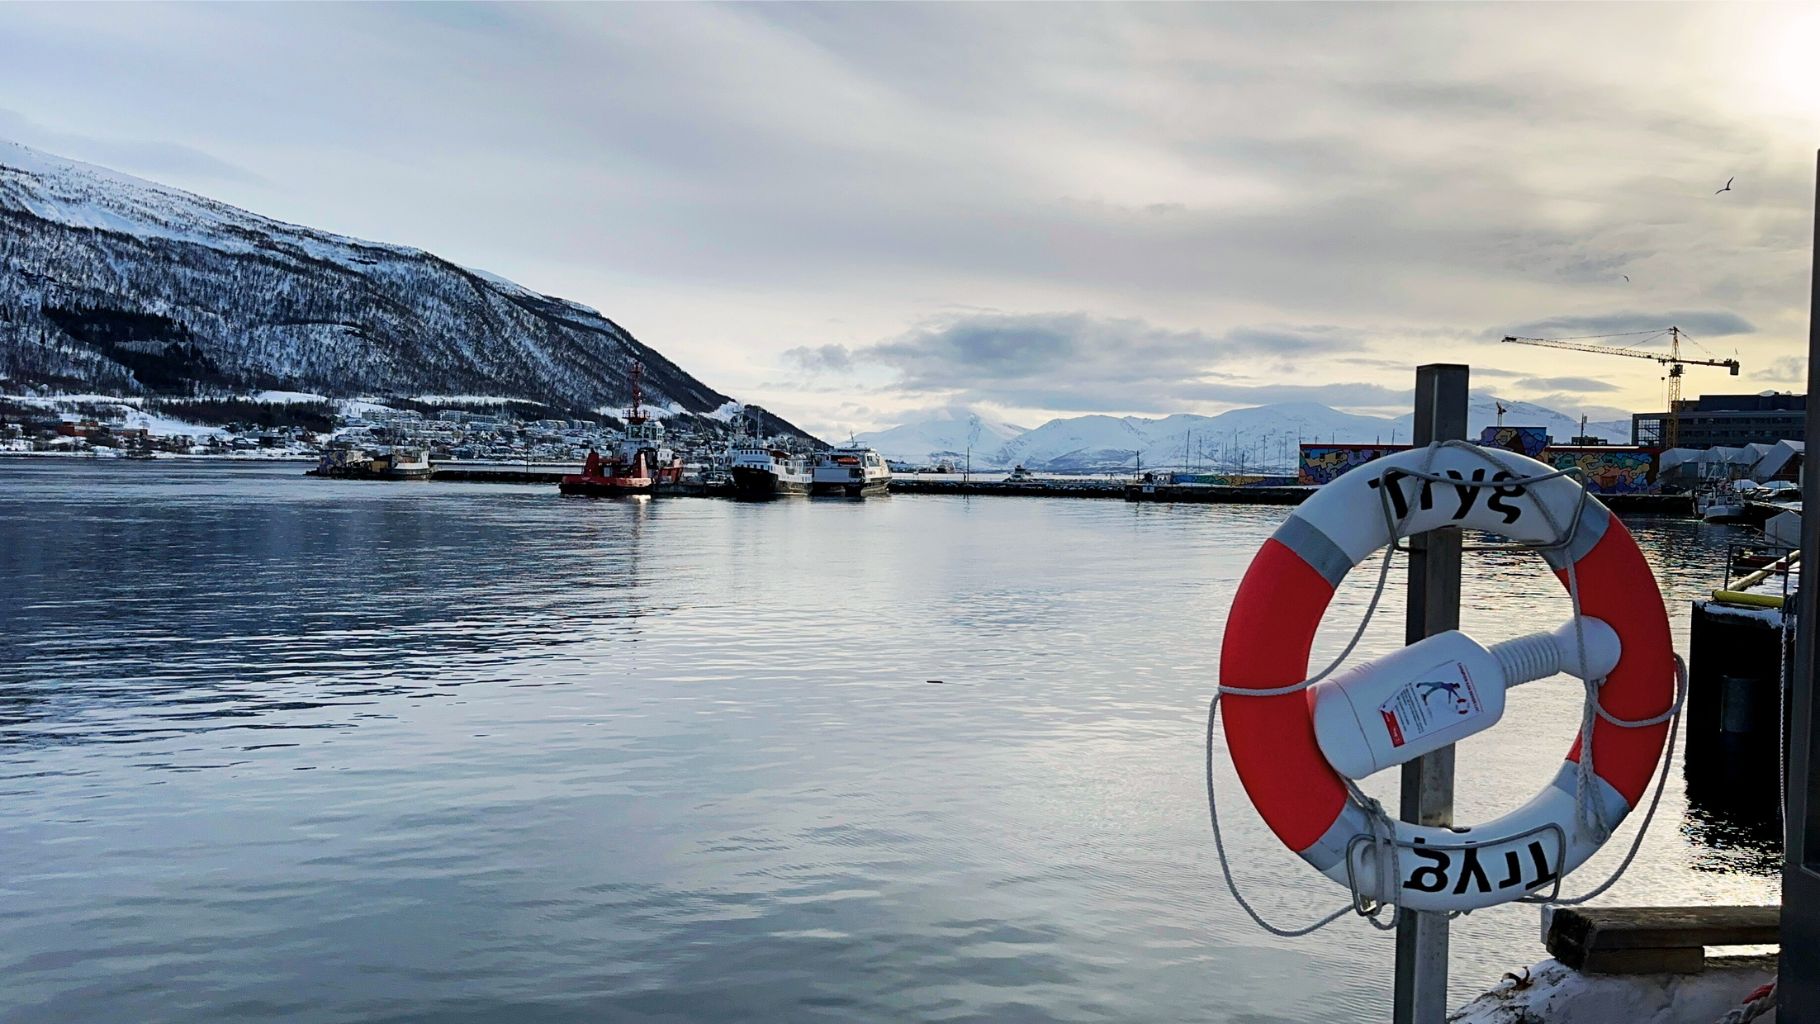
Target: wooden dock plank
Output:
[{"x": 1629, "y": 940}]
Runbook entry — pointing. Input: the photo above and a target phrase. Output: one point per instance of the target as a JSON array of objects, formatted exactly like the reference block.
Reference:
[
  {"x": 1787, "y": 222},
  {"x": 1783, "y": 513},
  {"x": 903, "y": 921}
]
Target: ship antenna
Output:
[{"x": 636, "y": 413}]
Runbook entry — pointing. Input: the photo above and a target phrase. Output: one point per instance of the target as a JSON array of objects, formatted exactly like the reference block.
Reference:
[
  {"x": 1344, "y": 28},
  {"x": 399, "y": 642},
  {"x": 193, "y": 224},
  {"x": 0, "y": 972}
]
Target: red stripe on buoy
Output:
[
  {"x": 1616, "y": 585},
  {"x": 1269, "y": 635}
]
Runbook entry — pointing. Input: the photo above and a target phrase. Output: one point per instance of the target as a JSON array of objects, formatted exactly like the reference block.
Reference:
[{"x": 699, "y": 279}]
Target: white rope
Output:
[
  {"x": 1668, "y": 758},
  {"x": 1759, "y": 1002},
  {"x": 1380, "y": 819},
  {"x": 1383, "y": 825}
]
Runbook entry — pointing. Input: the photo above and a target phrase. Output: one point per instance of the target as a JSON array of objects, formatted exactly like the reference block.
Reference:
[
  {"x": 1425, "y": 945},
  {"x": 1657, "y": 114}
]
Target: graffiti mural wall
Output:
[
  {"x": 1233, "y": 479},
  {"x": 1323, "y": 463},
  {"x": 1524, "y": 440},
  {"x": 1608, "y": 470}
]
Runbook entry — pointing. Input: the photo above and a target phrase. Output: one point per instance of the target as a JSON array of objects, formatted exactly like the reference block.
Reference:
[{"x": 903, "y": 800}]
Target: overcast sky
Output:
[{"x": 846, "y": 213}]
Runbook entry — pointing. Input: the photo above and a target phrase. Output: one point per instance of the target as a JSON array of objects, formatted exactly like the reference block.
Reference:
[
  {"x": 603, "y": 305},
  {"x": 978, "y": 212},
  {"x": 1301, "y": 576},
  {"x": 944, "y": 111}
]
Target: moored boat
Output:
[
  {"x": 638, "y": 463},
  {"x": 403, "y": 464},
  {"x": 610, "y": 478},
  {"x": 644, "y": 438},
  {"x": 761, "y": 471},
  {"x": 853, "y": 471},
  {"x": 346, "y": 461},
  {"x": 1723, "y": 505}
]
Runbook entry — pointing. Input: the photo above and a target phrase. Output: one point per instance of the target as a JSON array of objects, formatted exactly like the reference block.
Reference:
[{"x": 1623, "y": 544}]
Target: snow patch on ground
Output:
[
  {"x": 349, "y": 408},
  {"x": 164, "y": 426},
  {"x": 1561, "y": 995},
  {"x": 116, "y": 411},
  {"x": 499, "y": 282},
  {"x": 470, "y": 400},
  {"x": 726, "y": 413},
  {"x": 286, "y": 397},
  {"x": 58, "y": 401}
]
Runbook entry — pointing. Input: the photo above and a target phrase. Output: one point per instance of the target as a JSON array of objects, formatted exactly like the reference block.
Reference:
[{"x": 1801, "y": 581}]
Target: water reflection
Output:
[
  {"x": 205, "y": 608},
  {"x": 275, "y": 747}
]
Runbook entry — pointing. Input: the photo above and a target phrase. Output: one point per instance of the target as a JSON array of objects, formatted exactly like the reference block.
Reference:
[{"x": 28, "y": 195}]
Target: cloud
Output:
[
  {"x": 146, "y": 158},
  {"x": 1220, "y": 169},
  {"x": 1077, "y": 362},
  {"x": 1337, "y": 395},
  {"x": 1697, "y": 323},
  {"x": 1786, "y": 370},
  {"x": 1574, "y": 384},
  {"x": 1576, "y": 405},
  {"x": 820, "y": 358}
]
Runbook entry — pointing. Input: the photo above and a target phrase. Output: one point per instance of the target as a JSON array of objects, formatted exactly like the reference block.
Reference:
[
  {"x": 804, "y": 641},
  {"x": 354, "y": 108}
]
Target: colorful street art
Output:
[
  {"x": 1233, "y": 479},
  {"x": 1524, "y": 440},
  {"x": 1323, "y": 463},
  {"x": 1608, "y": 470},
  {"x": 1604, "y": 470}
]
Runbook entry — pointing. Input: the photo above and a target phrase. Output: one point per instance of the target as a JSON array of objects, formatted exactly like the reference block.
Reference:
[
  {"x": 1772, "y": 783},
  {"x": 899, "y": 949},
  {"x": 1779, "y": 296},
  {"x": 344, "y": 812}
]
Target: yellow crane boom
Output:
[{"x": 1672, "y": 359}]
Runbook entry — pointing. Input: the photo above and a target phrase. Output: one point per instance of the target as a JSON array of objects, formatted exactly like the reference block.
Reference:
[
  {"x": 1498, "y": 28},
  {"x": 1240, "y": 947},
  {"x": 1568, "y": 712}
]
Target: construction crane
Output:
[{"x": 1671, "y": 359}]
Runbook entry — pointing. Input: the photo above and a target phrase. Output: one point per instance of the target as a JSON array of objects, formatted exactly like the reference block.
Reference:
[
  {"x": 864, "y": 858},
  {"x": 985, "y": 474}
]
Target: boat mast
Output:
[{"x": 636, "y": 413}]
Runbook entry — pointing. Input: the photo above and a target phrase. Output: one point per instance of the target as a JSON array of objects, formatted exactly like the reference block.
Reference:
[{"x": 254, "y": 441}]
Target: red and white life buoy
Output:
[{"x": 1279, "y": 605}]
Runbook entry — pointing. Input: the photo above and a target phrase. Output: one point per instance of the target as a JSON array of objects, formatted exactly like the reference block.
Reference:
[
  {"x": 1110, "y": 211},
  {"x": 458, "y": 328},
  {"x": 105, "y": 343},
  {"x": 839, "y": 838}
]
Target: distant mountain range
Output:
[
  {"x": 108, "y": 282},
  {"x": 945, "y": 433},
  {"x": 1262, "y": 437}
]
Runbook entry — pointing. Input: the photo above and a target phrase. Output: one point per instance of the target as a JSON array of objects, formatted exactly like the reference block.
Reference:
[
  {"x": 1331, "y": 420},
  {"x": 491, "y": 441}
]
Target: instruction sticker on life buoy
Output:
[{"x": 1435, "y": 699}]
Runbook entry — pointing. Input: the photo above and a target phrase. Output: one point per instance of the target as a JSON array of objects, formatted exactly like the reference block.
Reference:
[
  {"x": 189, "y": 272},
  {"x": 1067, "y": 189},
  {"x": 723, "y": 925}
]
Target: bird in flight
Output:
[
  {"x": 1626, "y": 278},
  {"x": 1728, "y": 186}
]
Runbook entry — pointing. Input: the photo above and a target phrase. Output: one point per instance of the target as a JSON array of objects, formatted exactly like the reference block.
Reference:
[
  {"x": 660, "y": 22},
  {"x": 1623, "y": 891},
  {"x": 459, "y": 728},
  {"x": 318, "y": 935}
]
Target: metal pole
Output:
[
  {"x": 1798, "y": 969},
  {"x": 1434, "y": 607}
]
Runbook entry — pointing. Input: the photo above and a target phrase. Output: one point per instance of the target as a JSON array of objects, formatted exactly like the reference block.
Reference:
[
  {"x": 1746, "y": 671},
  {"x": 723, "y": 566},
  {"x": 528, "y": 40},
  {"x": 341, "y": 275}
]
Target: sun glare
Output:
[{"x": 1794, "y": 67}]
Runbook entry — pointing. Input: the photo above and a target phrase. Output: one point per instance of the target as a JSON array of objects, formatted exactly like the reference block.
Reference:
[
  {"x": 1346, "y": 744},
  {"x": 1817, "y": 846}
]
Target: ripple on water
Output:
[{"x": 286, "y": 748}]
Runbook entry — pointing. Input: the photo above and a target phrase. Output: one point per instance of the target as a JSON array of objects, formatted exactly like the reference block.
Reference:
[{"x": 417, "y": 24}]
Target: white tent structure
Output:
[
  {"x": 1688, "y": 467},
  {"x": 1780, "y": 457}
]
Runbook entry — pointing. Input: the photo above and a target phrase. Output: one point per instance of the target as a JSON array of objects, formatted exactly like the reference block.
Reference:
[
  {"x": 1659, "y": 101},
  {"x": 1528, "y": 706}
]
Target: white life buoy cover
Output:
[{"x": 1271, "y": 630}]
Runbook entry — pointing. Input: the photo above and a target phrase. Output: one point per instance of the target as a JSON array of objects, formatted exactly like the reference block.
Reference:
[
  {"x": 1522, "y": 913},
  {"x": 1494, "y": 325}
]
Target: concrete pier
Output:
[{"x": 1049, "y": 487}]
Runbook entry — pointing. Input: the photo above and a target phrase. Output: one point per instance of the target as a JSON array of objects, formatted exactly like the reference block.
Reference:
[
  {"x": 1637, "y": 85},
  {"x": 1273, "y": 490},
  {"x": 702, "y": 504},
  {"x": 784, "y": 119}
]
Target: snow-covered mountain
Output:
[
  {"x": 1482, "y": 412},
  {"x": 944, "y": 433},
  {"x": 1265, "y": 437},
  {"x": 111, "y": 282}
]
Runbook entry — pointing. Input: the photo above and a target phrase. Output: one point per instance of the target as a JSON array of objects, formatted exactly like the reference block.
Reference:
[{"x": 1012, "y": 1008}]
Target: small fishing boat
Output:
[{"x": 1724, "y": 505}]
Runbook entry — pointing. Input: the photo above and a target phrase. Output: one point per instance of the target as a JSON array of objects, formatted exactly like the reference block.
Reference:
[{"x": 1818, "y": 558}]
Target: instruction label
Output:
[{"x": 1436, "y": 699}]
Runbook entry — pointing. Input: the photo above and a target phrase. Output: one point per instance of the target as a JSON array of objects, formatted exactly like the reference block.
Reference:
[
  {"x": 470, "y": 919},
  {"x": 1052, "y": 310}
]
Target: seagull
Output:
[{"x": 1728, "y": 185}]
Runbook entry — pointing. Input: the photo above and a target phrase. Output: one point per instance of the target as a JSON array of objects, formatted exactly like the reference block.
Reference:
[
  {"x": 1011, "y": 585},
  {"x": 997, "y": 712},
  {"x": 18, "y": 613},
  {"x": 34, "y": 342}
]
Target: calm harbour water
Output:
[{"x": 274, "y": 748}]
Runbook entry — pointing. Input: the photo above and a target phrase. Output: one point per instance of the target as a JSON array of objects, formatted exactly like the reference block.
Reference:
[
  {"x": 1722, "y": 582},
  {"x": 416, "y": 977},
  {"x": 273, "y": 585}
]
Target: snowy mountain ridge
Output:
[
  {"x": 1262, "y": 437},
  {"x": 110, "y": 282},
  {"x": 944, "y": 433}
]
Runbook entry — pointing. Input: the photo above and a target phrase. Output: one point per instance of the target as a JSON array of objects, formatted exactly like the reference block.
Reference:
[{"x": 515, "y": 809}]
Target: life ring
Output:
[{"x": 1271, "y": 630}]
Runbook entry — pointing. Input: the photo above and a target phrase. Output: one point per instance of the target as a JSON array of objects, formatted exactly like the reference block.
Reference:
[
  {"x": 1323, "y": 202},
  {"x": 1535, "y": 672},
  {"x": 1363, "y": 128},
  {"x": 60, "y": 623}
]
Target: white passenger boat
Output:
[
  {"x": 762, "y": 471},
  {"x": 851, "y": 470}
]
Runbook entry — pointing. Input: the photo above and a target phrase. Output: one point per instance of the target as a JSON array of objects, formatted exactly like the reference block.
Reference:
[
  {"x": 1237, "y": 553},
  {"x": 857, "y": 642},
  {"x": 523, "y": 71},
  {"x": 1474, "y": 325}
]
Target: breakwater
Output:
[
  {"x": 1053, "y": 487},
  {"x": 1212, "y": 494}
]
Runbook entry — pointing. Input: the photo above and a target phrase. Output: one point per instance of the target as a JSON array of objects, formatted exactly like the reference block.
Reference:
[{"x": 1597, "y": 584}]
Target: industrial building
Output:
[{"x": 1712, "y": 421}]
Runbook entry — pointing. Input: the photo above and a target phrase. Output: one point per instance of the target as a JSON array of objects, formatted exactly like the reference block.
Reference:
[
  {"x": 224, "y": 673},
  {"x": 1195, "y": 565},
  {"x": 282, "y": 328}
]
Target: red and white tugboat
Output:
[
  {"x": 638, "y": 464},
  {"x": 610, "y": 478}
]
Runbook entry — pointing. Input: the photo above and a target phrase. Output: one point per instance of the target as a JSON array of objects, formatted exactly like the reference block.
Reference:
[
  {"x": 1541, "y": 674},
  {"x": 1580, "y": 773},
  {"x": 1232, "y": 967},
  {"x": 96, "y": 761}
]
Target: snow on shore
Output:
[{"x": 1558, "y": 994}]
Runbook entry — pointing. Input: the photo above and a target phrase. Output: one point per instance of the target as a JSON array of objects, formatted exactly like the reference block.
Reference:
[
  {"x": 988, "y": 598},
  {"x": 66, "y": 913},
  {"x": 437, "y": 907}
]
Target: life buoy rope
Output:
[{"x": 1301, "y": 547}]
